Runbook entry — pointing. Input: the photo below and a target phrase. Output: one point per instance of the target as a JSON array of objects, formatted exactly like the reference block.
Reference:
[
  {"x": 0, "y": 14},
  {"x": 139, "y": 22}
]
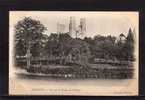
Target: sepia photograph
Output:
[{"x": 79, "y": 53}]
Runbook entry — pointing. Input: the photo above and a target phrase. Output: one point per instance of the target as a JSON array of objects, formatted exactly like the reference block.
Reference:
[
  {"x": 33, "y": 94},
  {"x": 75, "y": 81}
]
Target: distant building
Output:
[
  {"x": 60, "y": 28},
  {"x": 121, "y": 38},
  {"x": 72, "y": 26},
  {"x": 82, "y": 26}
]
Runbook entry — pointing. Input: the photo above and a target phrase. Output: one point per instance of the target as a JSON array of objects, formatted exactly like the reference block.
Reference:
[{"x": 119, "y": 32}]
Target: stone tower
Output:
[
  {"x": 72, "y": 26},
  {"x": 82, "y": 26},
  {"x": 60, "y": 28}
]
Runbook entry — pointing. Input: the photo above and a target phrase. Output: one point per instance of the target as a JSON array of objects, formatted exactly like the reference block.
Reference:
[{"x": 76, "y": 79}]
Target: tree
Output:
[
  {"x": 59, "y": 45},
  {"x": 130, "y": 36},
  {"x": 80, "y": 50},
  {"x": 28, "y": 31},
  {"x": 129, "y": 45},
  {"x": 51, "y": 47},
  {"x": 20, "y": 48},
  {"x": 102, "y": 46},
  {"x": 125, "y": 46}
]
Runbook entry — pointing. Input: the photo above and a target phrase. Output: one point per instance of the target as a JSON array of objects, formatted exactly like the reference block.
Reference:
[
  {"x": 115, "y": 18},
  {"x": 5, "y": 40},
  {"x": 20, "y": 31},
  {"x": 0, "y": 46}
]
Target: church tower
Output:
[
  {"x": 72, "y": 26},
  {"x": 82, "y": 26}
]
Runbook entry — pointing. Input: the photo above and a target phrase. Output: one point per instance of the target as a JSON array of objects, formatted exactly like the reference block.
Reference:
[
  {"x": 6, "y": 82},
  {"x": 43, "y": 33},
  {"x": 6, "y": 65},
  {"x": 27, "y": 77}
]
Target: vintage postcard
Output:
[{"x": 86, "y": 53}]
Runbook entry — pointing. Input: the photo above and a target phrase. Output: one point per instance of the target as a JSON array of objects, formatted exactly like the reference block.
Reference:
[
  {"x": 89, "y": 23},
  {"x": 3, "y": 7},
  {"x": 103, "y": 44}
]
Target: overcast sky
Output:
[{"x": 103, "y": 23}]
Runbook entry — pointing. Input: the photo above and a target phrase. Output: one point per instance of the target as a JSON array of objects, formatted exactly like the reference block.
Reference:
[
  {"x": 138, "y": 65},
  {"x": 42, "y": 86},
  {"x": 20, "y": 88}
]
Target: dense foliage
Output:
[
  {"x": 28, "y": 35},
  {"x": 67, "y": 48},
  {"x": 60, "y": 55}
]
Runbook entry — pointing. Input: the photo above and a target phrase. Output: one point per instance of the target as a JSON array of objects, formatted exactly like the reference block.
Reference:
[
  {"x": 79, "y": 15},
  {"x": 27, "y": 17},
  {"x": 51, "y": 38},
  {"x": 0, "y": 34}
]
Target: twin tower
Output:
[
  {"x": 77, "y": 30},
  {"x": 74, "y": 30}
]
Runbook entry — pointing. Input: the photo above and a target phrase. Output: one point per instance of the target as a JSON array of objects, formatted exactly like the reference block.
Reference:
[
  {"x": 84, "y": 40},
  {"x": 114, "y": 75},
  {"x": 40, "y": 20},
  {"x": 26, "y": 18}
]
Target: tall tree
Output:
[
  {"x": 28, "y": 31},
  {"x": 130, "y": 45},
  {"x": 125, "y": 48}
]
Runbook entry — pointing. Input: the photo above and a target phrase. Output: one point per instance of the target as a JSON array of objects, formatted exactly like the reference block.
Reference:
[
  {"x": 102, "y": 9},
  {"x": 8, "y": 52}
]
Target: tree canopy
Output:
[
  {"x": 30, "y": 37},
  {"x": 28, "y": 32}
]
